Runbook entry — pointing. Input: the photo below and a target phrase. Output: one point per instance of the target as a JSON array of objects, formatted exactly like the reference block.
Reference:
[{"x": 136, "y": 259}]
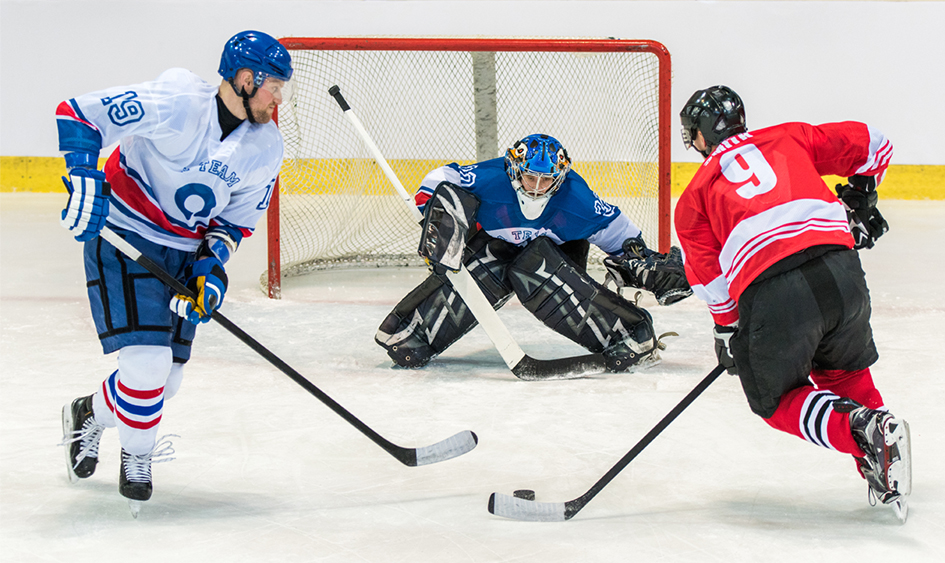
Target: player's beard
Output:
[{"x": 262, "y": 115}]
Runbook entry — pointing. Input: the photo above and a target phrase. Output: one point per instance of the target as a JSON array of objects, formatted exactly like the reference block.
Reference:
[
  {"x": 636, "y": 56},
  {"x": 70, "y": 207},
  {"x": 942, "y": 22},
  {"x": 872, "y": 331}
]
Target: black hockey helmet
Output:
[{"x": 717, "y": 111}]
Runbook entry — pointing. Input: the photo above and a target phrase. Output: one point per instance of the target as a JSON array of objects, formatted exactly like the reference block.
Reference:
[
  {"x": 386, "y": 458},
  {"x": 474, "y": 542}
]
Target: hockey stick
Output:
[
  {"x": 521, "y": 509},
  {"x": 523, "y": 366},
  {"x": 446, "y": 449}
]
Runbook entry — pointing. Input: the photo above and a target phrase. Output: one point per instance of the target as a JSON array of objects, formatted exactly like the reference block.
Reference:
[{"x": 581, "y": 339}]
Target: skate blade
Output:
[
  {"x": 652, "y": 360},
  {"x": 897, "y": 435},
  {"x": 135, "y": 506},
  {"x": 901, "y": 509},
  {"x": 67, "y": 431}
]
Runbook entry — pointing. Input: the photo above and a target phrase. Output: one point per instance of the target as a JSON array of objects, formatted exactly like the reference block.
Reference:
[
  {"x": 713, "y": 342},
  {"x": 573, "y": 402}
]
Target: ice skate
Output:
[
  {"x": 622, "y": 358},
  {"x": 134, "y": 482},
  {"x": 887, "y": 465},
  {"x": 81, "y": 436}
]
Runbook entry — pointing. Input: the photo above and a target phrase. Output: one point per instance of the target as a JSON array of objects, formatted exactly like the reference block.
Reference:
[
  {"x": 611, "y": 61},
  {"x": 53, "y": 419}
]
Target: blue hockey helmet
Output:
[
  {"x": 536, "y": 155},
  {"x": 259, "y": 52}
]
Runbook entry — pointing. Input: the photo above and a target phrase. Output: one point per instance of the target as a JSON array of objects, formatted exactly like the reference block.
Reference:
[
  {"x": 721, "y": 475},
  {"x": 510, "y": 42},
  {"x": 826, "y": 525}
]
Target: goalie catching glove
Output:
[
  {"x": 206, "y": 281},
  {"x": 642, "y": 268},
  {"x": 859, "y": 198}
]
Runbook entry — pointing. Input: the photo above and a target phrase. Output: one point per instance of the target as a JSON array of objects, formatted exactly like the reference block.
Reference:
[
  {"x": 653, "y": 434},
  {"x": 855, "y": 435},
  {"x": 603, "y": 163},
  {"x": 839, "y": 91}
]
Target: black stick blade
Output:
[
  {"x": 530, "y": 369},
  {"x": 454, "y": 446},
  {"x": 528, "y": 510}
]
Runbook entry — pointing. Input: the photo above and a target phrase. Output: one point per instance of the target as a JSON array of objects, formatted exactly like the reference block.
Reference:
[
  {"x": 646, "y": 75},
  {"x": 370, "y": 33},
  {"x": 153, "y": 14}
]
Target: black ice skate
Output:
[
  {"x": 81, "y": 436},
  {"x": 134, "y": 483},
  {"x": 626, "y": 357},
  {"x": 887, "y": 465}
]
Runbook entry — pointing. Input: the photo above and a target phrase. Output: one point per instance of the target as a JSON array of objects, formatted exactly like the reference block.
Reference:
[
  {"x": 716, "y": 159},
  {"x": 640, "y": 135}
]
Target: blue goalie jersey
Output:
[{"x": 574, "y": 212}]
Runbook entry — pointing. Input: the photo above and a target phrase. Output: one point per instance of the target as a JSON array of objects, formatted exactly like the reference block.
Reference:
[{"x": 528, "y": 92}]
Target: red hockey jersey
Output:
[{"x": 759, "y": 197}]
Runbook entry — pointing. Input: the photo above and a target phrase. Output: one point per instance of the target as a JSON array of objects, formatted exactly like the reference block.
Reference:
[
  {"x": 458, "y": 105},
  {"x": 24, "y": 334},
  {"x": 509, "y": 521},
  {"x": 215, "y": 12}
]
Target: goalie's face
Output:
[{"x": 535, "y": 185}]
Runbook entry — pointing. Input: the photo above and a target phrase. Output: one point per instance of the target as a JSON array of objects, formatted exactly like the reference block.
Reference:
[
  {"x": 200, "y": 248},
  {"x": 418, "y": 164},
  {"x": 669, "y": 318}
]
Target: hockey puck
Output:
[{"x": 526, "y": 494}]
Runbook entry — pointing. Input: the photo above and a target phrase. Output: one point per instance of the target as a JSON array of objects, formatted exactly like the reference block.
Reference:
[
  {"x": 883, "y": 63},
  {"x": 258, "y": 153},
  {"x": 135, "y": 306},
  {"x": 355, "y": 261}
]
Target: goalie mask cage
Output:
[{"x": 427, "y": 102}]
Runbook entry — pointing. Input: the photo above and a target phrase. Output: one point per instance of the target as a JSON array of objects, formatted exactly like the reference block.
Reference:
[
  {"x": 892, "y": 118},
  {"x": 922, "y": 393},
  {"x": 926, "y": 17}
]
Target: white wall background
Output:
[{"x": 878, "y": 62}]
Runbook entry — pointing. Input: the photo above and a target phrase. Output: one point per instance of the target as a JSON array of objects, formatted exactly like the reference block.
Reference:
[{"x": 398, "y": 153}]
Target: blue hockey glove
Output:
[
  {"x": 206, "y": 280},
  {"x": 723, "y": 347},
  {"x": 87, "y": 209}
]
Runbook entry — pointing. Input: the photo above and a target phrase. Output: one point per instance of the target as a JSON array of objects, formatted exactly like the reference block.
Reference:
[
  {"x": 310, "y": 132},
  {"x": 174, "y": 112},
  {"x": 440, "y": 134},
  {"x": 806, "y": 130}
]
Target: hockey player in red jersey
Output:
[{"x": 768, "y": 246}]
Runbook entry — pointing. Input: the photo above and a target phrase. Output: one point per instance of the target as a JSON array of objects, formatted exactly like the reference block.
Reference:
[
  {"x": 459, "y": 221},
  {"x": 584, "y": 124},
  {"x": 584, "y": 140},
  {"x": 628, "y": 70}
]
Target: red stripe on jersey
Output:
[
  {"x": 66, "y": 111},
  {"x": 135, "y": 197},
  {"x": 422, "y": 198},
  {"x": 142, "y": 394}
]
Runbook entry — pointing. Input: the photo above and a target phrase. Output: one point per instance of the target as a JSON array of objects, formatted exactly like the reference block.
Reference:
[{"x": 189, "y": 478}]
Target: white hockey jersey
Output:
[{"x": 172, "y": 177}]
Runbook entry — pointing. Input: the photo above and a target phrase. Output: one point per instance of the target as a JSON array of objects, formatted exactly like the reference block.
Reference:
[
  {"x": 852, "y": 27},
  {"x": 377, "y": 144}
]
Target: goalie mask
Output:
[
  {"x": 717, "y": 112},
  {"x": 537, "y": 166}
]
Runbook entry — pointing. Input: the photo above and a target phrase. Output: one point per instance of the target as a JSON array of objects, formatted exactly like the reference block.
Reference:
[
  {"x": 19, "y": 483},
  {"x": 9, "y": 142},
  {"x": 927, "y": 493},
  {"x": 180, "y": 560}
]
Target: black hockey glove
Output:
[
  {"x": 859, "y": 197},
  {"x": 723, "y": 347},
  {"x": 662, "y": 274}
]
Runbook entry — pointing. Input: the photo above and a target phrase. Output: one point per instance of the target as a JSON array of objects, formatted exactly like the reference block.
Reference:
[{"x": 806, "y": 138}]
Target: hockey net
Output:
[{"x": 427, "y": 102}]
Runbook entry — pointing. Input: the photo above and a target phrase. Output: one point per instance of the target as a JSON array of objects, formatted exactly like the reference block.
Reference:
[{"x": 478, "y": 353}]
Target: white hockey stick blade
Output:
[
  {"x": 527, "y": 510},
  {"x": 454, "y": 446}
]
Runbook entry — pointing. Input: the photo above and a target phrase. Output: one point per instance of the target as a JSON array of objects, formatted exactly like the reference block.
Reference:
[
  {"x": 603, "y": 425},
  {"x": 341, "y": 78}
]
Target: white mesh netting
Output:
[{"x": 428, "y": 108}]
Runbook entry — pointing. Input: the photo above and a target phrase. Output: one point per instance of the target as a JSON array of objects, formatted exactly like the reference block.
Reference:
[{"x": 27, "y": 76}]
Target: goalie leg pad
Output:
[
  {"x": 433, "y": 316},
  {"x": 577, "y": 307}
]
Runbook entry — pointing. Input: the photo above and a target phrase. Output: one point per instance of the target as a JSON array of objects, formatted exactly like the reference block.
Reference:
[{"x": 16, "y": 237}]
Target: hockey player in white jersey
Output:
[
  {"x": 530, "y": 237},
  {"x": 193, "y": 173}
]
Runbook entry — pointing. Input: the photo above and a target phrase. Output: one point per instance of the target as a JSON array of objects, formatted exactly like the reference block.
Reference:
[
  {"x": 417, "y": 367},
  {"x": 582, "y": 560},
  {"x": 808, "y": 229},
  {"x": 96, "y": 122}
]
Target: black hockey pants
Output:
[{"x": 814, "y": 315}]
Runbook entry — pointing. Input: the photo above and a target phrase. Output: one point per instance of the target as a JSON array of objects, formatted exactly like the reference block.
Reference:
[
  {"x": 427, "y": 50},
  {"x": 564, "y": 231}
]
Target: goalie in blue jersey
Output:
[{"x": 530, "y": 237}]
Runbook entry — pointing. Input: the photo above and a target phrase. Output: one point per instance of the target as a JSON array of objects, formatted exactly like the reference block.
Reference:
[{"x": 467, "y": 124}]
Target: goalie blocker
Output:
[{"x": 545, "y": 277}]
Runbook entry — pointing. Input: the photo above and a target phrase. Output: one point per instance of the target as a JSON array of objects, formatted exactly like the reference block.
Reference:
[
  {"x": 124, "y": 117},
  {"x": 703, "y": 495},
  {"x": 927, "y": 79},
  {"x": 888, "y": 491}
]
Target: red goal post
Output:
[{"x": 431, "y": 101}]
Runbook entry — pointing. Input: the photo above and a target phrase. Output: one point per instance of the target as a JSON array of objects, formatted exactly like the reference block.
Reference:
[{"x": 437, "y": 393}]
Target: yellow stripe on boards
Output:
[{"x": 41, "y": 174}]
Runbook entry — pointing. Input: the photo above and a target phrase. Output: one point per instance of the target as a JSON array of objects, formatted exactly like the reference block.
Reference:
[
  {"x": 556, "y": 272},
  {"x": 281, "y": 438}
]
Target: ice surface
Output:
[{"x": 265, "y": 472}]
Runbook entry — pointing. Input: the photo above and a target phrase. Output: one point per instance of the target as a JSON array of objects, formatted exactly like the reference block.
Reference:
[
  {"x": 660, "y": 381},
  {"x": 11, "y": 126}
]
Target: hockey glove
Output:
[
  {"x": 448, "y": 217},
  {"x": 859, "y": 198},
  {"x": 87, "y": 209},
  {"x": 723, "y": 347},
  {"x": 662, "y": 274},
  {"x": 206, "y": 281}
]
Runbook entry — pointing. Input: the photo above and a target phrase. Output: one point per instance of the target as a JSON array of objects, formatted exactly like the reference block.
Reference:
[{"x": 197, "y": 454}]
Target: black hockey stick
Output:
[
  {"x": 521, "y": 509},
  {"x": 446, "y": 449},
  {"x": 522, "y": 365}
]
